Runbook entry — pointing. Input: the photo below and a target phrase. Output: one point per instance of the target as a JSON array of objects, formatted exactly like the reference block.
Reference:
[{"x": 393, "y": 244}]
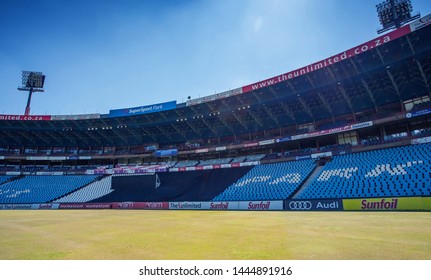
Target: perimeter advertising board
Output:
[
  {"x": 385, "y": 204},
  {"x": 188, "y": 205},
  {"x": 85, "y": 206},
  {"x": 45, "y": 206},
  {"x": 228, "y": 205},
  {"x": 260, "y": 205},
  {"x": 15, "y": 207},
  {"x": 141, "y": 205},
  {"x": 314, "y": 205}
]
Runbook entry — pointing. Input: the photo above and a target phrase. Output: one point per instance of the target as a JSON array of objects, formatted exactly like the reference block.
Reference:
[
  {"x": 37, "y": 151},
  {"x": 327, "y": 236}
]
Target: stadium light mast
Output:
[
  {"x": 395, "y": 13},
  {"x": 31, "y": 82}
]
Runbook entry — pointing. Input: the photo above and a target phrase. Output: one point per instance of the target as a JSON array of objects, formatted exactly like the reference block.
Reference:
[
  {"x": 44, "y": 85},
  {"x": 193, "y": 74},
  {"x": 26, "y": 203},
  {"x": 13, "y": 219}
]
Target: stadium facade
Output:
[{"x": 353, "y": 126}]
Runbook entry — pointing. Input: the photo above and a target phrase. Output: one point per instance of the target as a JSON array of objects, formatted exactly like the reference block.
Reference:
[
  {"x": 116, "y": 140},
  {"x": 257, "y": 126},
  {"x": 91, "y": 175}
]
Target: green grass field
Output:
[{"x": 188, "y": 235}]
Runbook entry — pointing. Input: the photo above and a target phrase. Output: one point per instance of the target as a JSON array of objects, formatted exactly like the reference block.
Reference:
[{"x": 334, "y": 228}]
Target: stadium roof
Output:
[{"x": 387, "y": 70}]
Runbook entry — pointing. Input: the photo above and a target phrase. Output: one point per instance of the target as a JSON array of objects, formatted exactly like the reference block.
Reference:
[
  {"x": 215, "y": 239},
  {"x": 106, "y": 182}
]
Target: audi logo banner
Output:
[{"x": 314, "y": 205}]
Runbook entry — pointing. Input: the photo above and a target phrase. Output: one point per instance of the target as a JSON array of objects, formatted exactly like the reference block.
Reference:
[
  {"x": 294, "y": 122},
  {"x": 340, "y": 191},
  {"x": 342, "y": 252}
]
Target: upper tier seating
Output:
[{"x": 401, "y": 171}]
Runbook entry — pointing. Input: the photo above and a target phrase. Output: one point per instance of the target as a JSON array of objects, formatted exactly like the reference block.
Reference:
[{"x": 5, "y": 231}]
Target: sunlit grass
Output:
[{"x": 239, "y": 235}]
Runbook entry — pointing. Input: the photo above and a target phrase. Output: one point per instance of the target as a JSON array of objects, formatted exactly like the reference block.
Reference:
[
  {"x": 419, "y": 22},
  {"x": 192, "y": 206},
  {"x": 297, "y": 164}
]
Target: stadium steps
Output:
[
  {"x": 66, "y": 194},
  {"x": 310, "y": 179},
  {"x": 94, "y": 190}
]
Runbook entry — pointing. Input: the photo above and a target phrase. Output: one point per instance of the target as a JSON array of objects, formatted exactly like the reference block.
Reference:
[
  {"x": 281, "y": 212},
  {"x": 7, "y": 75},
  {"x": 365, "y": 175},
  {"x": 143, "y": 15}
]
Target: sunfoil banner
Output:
[
  {"x": 386, "y": 204},
  {"x": 261, "y": 205},
  {"x": 313, "y": 205},
  {"x": 143, "y": 109},
  {"x": 45, "y": 206}
]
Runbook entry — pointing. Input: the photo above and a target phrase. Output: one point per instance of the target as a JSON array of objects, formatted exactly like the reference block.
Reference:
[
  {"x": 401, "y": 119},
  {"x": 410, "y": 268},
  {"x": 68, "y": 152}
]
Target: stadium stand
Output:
[
  {"x": 41, "y": 189},
  {"x": 4, "y": 178},
  {"x": 172, "y": 186},
  {"x": 269, "y": 181},
  {"x": 93, "y": 191},
  {"x": 402, "y": 171}
]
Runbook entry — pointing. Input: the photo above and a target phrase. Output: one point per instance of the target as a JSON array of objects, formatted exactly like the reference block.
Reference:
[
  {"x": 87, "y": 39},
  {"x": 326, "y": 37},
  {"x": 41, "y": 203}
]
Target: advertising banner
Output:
[
  {"x": 421, "y": 140},
  {"x": 302, "y": 157},
  {"x": 418, "y": 113},
  {"x": 361, "y": 125},
  {"x": 15, "y": 207},
  {"x": 24, "y": 118},
  {"x": 284, "y": 139},
  {"x": 319, "y": 155},
  {"x": 75, "y": 117},
  {"x": 261, "y": 205},
  {"x": 166, "y": 153},
  {"x": 266, "y": 142},
  {"x": 220, "y": 205},
  {"x": 143, "y": 109},
  {"x": 45, "y": 158},
  {"x": 386, "y": 38},
  {"x": 84, "y": 206},
  {"x": 248, "y": 145},
  {"x": 384, "y": 204},
  {"x": 13, "y": 173},
  {"x": 198, "y": 151},
  {"x": 189, "y": 205},
  {"x": 422, "y": 22},
  {"x": 50, "y": 173},
  {"x": 141, "y": 205},
  {"x": 314, "y": 205},
  {"x": 45, "y": 206}
]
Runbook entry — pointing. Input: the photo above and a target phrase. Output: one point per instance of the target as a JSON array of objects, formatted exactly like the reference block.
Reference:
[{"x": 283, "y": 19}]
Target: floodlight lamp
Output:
[
  {"x": 395, "y": 13},
  {"x": 32, "y": 79}
]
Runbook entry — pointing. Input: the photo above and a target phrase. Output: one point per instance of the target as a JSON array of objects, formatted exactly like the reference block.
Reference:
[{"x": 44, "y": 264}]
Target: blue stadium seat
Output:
[
  {"x": 269, "y": 181},
  {"x": 401, "y": 171},
  {"x": 41, "y": 189}
]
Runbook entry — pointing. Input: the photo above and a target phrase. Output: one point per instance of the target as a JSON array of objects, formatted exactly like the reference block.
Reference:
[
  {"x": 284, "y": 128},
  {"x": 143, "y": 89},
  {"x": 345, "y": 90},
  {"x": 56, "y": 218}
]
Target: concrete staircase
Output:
[{"x": 308, "y": 181}]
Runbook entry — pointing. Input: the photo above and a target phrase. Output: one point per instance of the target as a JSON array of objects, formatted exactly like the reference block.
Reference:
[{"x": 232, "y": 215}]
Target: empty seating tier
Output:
[
  {"x": 401, "y": 171},
  {"x": 269, "y": 181}
]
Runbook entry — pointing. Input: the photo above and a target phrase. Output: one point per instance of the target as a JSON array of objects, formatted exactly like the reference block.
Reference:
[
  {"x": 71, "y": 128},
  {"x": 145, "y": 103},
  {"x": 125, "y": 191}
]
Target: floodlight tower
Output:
[
  {"x": 395, "y": 13},
  {"x": 31, "y": 82}
]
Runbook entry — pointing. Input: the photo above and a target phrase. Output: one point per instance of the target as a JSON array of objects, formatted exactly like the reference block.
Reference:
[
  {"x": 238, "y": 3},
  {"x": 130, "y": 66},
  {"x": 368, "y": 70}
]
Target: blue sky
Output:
[{"x": 99, "y": 55}]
